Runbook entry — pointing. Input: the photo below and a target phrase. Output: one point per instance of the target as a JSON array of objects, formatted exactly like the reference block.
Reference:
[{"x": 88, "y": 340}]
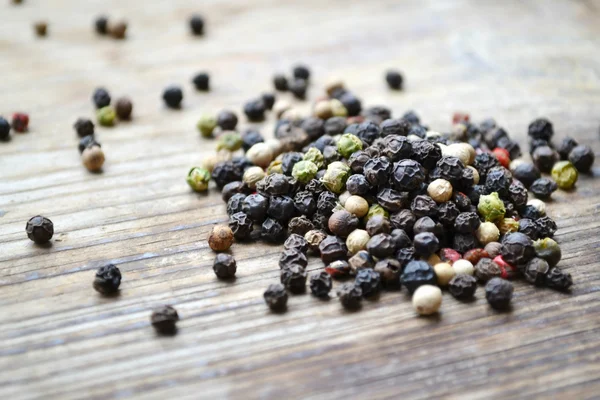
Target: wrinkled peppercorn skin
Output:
[
  {"x": 164, "y": 320},
  {"x": 39, "y": 229},
  {"x": 320, "y": 284},
  {"x": 276, "y": 297},
  {"x": 417, "y": 273},
  {"x": 498, "y": 293},
  {"x": 462, "y": 287},
  {"x": 108, "y": 279}
]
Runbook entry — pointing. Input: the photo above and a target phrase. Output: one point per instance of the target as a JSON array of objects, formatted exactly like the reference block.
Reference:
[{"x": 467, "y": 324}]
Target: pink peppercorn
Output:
[
  {"x": 20, "y": 122},
  {"x": 474, "y": 255},
  {"x": 449, "y": 255},
  {"x": 503, "y": 156},
  {"x": 508, "y": 271},
  {"x": 460, "y": 117}
]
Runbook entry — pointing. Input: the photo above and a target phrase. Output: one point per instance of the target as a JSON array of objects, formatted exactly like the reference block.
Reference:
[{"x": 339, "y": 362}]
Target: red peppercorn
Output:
[
  {"x": 503, "y": 156},
  {"x": 20, "y": 122},
  {"x": 508, "y": 271},
  {"x": 460, "y": 117},
  {"x": 474, "y": 255},
  {"x": 355, "y": 120},
  {"x": 449, "y": 255}
]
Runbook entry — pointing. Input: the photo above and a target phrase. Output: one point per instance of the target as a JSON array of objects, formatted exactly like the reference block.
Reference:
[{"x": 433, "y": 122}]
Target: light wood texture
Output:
[{"x": 513, "y": 60}]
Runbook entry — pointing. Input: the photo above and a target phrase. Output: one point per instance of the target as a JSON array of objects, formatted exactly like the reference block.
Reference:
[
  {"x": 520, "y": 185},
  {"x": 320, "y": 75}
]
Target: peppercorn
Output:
[
  {"x": 255, "y": 110},
  {"x": 407, "y": 175},
  {"x": 541, "y": 128},
  {"x": 87, "y": 141},
  {"x": 565, "y": 174},
  {"x": 394, "y": 79},
  {"x": 314, "y": 238},
  {"x": 107, "y": 280},
  {"x": 423, "y": 205},
  {"x": 487, "y": 232},
  {"x": 93, "y": 158},
  {"x": 493, "y": 249},
  {"x": 508, "y": 270},
  {"x": 123, "y": 108},
  {"x": 198, "y": 179},
  {"x": 298, "y": 88},
  {"x": 39, "y": 229},
  {"x": 498, "y": 179},
  {"x": 463, "y": 267},
  {"x": 449, "y": 256},
  {"x": 440, "y": 190},
  {"x": 106, "y": 116},
  {"x": 582, "y": 157},
  {"x": 220, "y": 238},
  {"x": 326, "y": 203},
  {"x": 201, "y": 81},
  {"x": 350, "y": 295},
  {"x": 101, "y": 98},
  {"x": 335, "y": 177},
  {"x": 462, "y": 287},
  {"x": 294, "y": 278},
  {"x": 546, "y": 226},
  {"x": 427, "y": 299},
  {"x": 498, "y": 293},
  {"x": 357, "y": 240},
  {"x": 543, "y": 187},
  {"x": 300, "y": 225},
  {"x": 280, "y": 82},
  {"x": 536, "y": 271},
  {"x": 173, "y": 95},
  {"x": 348, "y": 144},
  {"x": 425, "y": 243},
  {"x": 426, "y": 224},
  {"x": 403, "y": 219},
  {"x": 417, "y": 273},
  {"x": 544, "y": 158},
  {"x": 41, "y": 28},
  {"x": 281, "y": 208},
  {"x": 290, "y": 257},
  {"x": 548, "y": 250},
  {"x": 558, "y": 279},
  {"x": 467, "y": 222},
  {"x": 463, "y": 242},
  {"x": 517, "y": 248},
  {"x": 474, "y": 255},
  {"x": 444, "y": 273},
  {"x": 84, "y": 127},
  {"x": 304, "y": 171},
  {"x": 486, "y": 269},
  {"x": 332, "y": 248},
  {"x": 164, "y": 320},
  {"x": 101, "y": 25},
  {"x": 118, "y": 30},
  {"x": 342, "y": 223},
  {"x": 276, "y": 297},
  {"x": 529, "y": 227},
  {"x": 235, "y": 203},
  {"x": 389, "y": 272},
  {"x": 320, "y": 284},
  {"x": 272, "y": 231},
  {"x": 369, "y": 281},
  {"x": 491, "y": 207},
  {"x": 565, "y": 147},
  {"x": 197, "y": 25},
  {"x": 4, "y": 129}
]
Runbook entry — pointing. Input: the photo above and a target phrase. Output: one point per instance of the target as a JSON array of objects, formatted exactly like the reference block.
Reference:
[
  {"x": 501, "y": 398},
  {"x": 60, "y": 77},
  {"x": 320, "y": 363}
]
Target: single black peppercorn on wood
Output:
[
  {"x": 369, "y": 281},
  {"x": 197, "y": 25},
  {"x": 201, "y": 81},
  {"x": 39, "y": 229},
  {"x": 294, "y": 278},
  {"x": 4, "y": 129},
  {"x": 320, "y": 284},
  {"x": 101, "y": 98},
  {"x": 164, "y": 320},
  {"x": 350, "y": 295},
  {"x": 394, "y": 79},
  {"x": 225, "y": 266},
  {"x": 108, "y": 279},
  {"x": 498, "y": 293},
  {"x": 173, "y": 95},
  {"x": 462, "y": 286},
  {"x": 84, "y": 127},
  {"x": 276, "y": 297}
]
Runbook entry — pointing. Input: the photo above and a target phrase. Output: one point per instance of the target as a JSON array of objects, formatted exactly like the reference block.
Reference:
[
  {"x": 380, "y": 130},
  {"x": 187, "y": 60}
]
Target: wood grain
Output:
[{"x": 513, "y": 60}]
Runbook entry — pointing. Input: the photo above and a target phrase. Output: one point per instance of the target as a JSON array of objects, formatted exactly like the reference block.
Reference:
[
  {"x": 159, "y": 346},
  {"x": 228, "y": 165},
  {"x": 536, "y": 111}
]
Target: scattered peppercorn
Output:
[
  {"x": 107, "y": 280},
  {"x": 101, "y": 98},
  {"x": 197, "y": 25},
  {"x": 220, "y": 238},
  {"x": 123, "y": 108},
  {"x": 164, "y": 320},
  {"x": 294, "y": 278},
  {"x": 582, "y": 157},
  {"x": 93, "y": 158},
  {"x": 41, "y": 28},
  {"x": 224, "y": 265},
  {"x": 87, "y": 141},
  {"x": 543, "y": 188},
  {"x": 558, "y": 279},
  {"x": 106, "y": 116},
  {"x": 173, "y": 95},
  {"x": 201, "y": 81},
  {"x": 84, "y": 127},
  {"x": 4, "y": 129},
  {"x": 394, "y": 79},
  {"x": 198, "y": 179},
  {"x": 298, "y": 88},
  {"x": 39, "y": 229},
  {"x": 101, "y": 25},
  {"x": 320, "y": 284},
  {"x": 276, "y": 297},
  {"x": 350, "y": 295},
  {"x": 498, "y": 293},
  {"x": 565, "y": 174},
  {"x": 118, "y": 30}
]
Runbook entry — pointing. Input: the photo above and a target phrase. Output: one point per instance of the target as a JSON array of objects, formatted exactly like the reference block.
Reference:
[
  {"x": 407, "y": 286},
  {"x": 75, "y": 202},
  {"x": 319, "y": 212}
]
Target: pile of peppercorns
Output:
[
  {"x": 20, "y": 123},
  {"x": 390, "y": 202}
]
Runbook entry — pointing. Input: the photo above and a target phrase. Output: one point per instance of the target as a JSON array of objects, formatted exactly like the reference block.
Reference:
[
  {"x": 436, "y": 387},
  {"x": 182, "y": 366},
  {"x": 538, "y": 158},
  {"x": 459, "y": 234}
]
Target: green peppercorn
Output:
[
  {"x": 348, "y": 144},
  {"x": 565, "y": 174},
  {"x": 335, "y": 177},
  {"x": 304, "y": 171},
  {"x": 315, "y": 156},
  {"x": 275, "y": 168},
  {"x": 549, "y": 250},
  {"x": 231, "y": 141},
  {"x": 106, "y": 116},
  {"x": 198, "y": 179},
  {"x": 374, "y": 210},
  {"x": 507, "y": 225},
  {"x": 491, "y": 207},
  {"x": 206, "y": 125}
]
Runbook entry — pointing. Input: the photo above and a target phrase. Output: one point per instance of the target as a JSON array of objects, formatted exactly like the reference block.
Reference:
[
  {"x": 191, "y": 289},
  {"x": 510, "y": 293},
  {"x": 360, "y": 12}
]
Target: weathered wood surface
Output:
[{"x": 514, "y": 60}]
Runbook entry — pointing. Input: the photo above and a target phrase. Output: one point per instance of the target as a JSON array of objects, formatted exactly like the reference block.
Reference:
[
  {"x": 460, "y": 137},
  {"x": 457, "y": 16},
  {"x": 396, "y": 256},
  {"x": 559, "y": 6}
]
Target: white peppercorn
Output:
[
  {"x": 463, "y": 151},
  {"x": 253, "y": 175},
  {"x": 343, "y": 197},
  {"x": 427, "y": 299},
  {"x": 444, "y": 273},
  {"x": 463, "y": 267},
  {"x": 440, "y": 190},
  {"x": 475, "y": 174},
  {"x": 260, "y": 154},
  {"x": 538, "y": 205},
  {"x": 357, "y": 206},
  {"x": 357, "y": 240},
  {"x": 280, "y": 107},
  {"x": 487, "y": 232},
  {"x": 322, "y": 109}
]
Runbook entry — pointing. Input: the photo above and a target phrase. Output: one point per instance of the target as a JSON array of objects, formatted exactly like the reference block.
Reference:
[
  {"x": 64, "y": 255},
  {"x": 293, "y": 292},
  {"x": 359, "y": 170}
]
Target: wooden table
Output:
[{"x": 513, "y": 60}]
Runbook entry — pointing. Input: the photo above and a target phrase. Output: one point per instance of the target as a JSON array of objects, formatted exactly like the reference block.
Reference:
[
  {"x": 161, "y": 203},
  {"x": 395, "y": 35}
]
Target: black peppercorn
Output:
[
  {"x": 425, "y": 243},
  {"x": 276, "y": 297},
  {"x": 293, "y": 277},
  {"x": 394, "y": 127},
  {"x": 565, "y": 147},
  {"x": 351, "y": 103},
  {"x": 101, "y": 25},
  {"x": 378, "y": 224},
  {"x": 291, "y": 257},
  {"x": 517, "y": 194},
  {"x": 334, "y": 126},
  {"x": 544, "y": 158},
  {"x": 448, "y": 168},
  {"x": 423, "y": 205},
  {"x": 233, "y": 188},
  {"x": 235, "y": 204},
  {"x": 530, "y": 212},
  {"x": 320, "y": 284},
  {"x": 467, "y": 222},
  {"x": 241, "y": 225},
  {"x": 225, "y": 172},
  {"x": 301, "y": 72},
  {"x": 536, "y": 271},
  {"x": 513, "y": 148},
  {"x": 298, "y": 88},
  {"x": 486, "y": 269},
  {"x": 417, "y": 273},
  {"x": 517, "y": 248},
  {"x": 498, "y": 179},
  {"x": 405, "y": 255},
  {"x": 546, "y": 226},
  {"x": 173, "y": 95},
  {"x": 101, "y": 98},
  {"x": 394, "y": 79},
  {"x": 389, "y": 271},
  {"x": 368, "y": 131},
  {"x": 357, "y": 161},
  {"x": 280, "y": 82},
  {"x": 224, "y": 266},
  {"x": 462, "y": 201},
  {"x": 268, "y": 100},
  {"x": 558, "y": 279},
  {"x": 305, "y": 203},
  {"x": 527, "y": 173},
  {"x": 197, "y": 25},
  {"x": 426, "y": 224},
  {"x": 227, "y": 120},
  {"x": 447, "y": 213},
  {"x": 381, "y": 245},
  {"x": 369, "y": 281},
  {"x": 107, "y": 280},
  {"x": 296, "y": 242},
  {"x": 403, "y": 219},
  {"x": 87, "y": 141},
  {"x": 201, "y": 81},
  {"x": 255, "y": 110},
  {"x": 529, "y": 227},
  {"x": 300, "y": 225},
  {"x": 543, "y": 188},
  {"x": 407, "y": 175},
  {"x": 462, "y": 286},
  {"x": 350, "y": 295},
  {"x": 358, "y": 185},
  {"x": 4, "y": 129},
  {"x": 250, "y": 138},
  {"x": 392, "y": 200},
  {"x": 84, "y": 127},
  {"x": 313, "y": 127},
  {"x": 320, "y": 221},
  {"x": 582, "y": 157},
  {"x": 401, "y": 239},
  {"x": 540, "y": 128},
  {"x": 326, "y": 203},
  {"x": 483, "y": 163},
  {"x": 463, "y": 242},
  {"x": 281, "y": 208},
  {"x": 332, "y": 248},
  {"x": 39, "y": 229},
  {"x": 164, "y": 320},
  {"x": 272, "y": 231},
  {"x": 498, "y": 293}
]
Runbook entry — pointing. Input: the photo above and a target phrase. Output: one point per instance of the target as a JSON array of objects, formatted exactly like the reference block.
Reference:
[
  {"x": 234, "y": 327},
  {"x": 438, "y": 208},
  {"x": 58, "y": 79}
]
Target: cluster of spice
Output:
[
  {"x": 20, "y": 123},
  {"x": 391, "y": 203}
]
